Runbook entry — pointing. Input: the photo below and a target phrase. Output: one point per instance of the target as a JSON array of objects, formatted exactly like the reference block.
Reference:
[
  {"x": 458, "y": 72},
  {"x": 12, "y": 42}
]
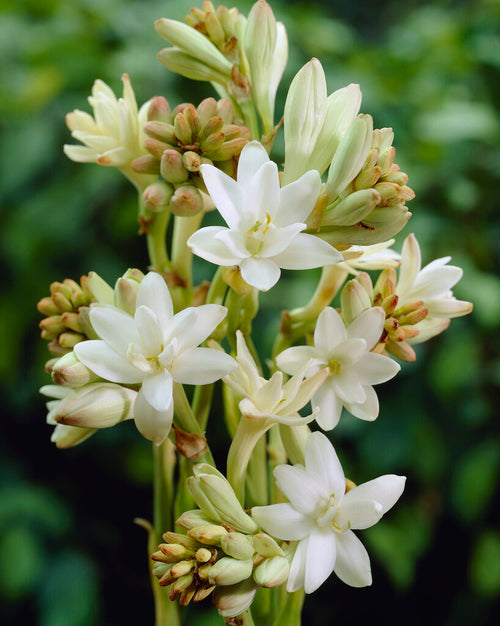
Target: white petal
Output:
[
  {"x": 153, "y": 293},
  {"x": 292, "y": 360},
  {"x": 252, "y": 157},
  {"x": 152, "y": 424},
  {"x": 277, "y": 240},
  {"x": 235, "y": 242},
  {"x": 80, "y": 154},
  {"x": 179, "y": 326},
  {"x": 448, "y": 307},
  {"x": 374, "y": 369},
  {"x": 367, "y": 410},
  {"x": 150, "y": 333},
  {"x": 296, "y": 577},
  {"x": 201, "y": 366},
  {"x": 322, "y": 461},
  {"x": 307, "y": 251},
  {"x": 349, "y": 389},
  {"x": 297, "y": 199},
  {"x": 208, "y": 317},
  {"x": 205, "y": 245},
  {"x": 330, "y": 331},
  {"x": 410, "y": 265},
  {"x": 114, "y": 326},
  {"x": 349, "y": 353},
  {"x": 428, "y": 328},
  {"x": 157, "y": 390},
  {"x": 268, "y": 396},
  {"x": 386, "y": 490},
  {"x": 330, "y": 406},
  {"x": 320, "y": 558},
  {"x": 368, "y": 326},
  {"x": 282, "y": 521},
  {"x": 353, "y": 563},
  {"x": 260, "y": 273},
  {"x": 226, "y": 194},
  {"x": 304, "y": 491},
  {"x": 106, "y": 363},
  {"x": 358, "y": 514},
  {"x": 434, "y": 280},
  {"x": 262, "y": 195}
]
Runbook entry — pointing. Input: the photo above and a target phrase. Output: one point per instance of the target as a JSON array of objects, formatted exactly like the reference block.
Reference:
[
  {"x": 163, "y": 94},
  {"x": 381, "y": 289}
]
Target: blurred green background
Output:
[{"x": 70, "y": 554}]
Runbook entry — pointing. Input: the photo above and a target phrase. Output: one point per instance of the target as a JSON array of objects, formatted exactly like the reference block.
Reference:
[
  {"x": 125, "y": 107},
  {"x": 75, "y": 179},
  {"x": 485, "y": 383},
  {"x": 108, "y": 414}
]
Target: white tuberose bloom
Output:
[
  {"x": 154, "y": 348},
  {"x": 432, "y": 285},
  {"x": 320, "y": 515},
  {"x": 271, "y": 399},
  {"x": 264, "y": 220},
  {"x": 353, "y": 369}
]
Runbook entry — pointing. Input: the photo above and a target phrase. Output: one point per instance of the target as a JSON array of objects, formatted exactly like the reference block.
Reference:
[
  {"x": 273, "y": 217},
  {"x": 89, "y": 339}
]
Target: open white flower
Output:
[
  {"x": 271, "y": 399},
  {"x": 114, "y": 136},
  {"x": 321, "y": 516},
  {"x": 432, "y": 285},
  {"x": 154, "y": 348},
  {"x": 353, "y": 369},
  {"x": 264, "y": 220}
]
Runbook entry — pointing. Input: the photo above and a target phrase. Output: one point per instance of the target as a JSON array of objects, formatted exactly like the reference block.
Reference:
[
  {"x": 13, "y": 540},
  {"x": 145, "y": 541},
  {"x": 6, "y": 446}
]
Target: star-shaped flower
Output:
[
  {"x": 264, "y": 221},
  {"x": 155, "y": 348},
  {"x": 353, "y": 369},
  {"x": 321, "y": 516}
]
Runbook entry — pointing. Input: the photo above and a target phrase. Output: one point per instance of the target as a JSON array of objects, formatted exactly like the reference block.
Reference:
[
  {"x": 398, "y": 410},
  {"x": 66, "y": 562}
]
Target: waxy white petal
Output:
[
  {"x": 154, "y": 294},
  {"x": 367, "y": 410},
  {"x": 320, "y": 558},
  {"x": 157, "y": 390},
  {"x": 149, "y": 331},
  {"x": 297, "y": 199},
  {"x": 297, "y": 575},
  {"x": 114, "y": 326},
  {"x": 282, "y": 521},
  {"x": 225, "y": 192},
  {"x": 252, "y": 157},
  {"x": 260, "y": 273},
  {"x": 330, "y": 406},
  {"x": 322, "y": 462},
  {"x": 375, "y": 368},
  {"x": 201, "y": 366},
  {"x": 353, "y": 563},
  {"x": 307, "y": 252},
  {"x": 152, "y": 424},
  {"x": 303, "y": 490},
  {"x": 107, "y": 363},
  {"x": 206, "y": 244},
  {"x": 292, "y": 360},
  {"x": 330, "y": 331},
  {"x": 386, "y": 490},
  {"x": 368, "y": 326}
]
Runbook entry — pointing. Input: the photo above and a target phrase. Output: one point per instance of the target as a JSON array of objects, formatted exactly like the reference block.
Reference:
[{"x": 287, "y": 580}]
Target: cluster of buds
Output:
[
  {"x": 401, "y": 322},
  {"x": 66, "y": 310},
  {"x": 179, "y": 142},
  {"x": 364, "y": 205},
  {"x": 219, "y": 26},
  {"x": 222, "y": 551}
]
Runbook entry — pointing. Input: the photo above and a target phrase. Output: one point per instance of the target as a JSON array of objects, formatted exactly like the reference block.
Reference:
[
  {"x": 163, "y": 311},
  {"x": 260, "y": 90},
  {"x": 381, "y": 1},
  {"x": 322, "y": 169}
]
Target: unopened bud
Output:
[
  {"x": 146, "y": 164},
  {"x": 192, "y": 519},
  {"x": 354, "y": 300},
  {"x": 126, "y": 288},
  {"x": 70, "y": 372},
  {"x": 161, "y": 131},
  {"x": 186, "y": 201},
  {"x": 69, "y": 436},
  {"x": 210, "y": 535},
  {"x": 159, "y": 110},
  {"x": 235, "y": 599},
  {"x": 157, "y": 196},
  {"x": 352, "y": 209},
  {"x": 172, "y": 168},
  {"x": 266, "y": 545},
  {"x": 229, "y": 571},
  {"x": 272, "y": 572},
  {"x": 237, "y": 545}
]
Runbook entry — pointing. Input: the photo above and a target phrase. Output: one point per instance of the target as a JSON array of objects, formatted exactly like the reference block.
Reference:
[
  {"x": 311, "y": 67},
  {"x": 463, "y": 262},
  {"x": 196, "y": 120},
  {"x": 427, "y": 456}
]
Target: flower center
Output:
[
  {"x": 334, "y": 367},
  {"x": 328, "y": 513},
  {"x": 256, "y": 234},
  {"x": 145, "y": 364}
]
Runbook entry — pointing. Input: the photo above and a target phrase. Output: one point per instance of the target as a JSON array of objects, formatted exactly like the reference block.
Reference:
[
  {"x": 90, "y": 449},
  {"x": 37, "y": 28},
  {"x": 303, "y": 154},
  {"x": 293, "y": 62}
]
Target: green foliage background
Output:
[{"x": 70, "y": 554}]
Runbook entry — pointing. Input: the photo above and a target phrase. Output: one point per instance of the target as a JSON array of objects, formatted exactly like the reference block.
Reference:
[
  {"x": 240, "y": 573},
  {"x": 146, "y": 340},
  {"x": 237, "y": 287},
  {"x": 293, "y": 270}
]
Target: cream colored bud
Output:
[
  {"x": 210, "y": 535},
  {"x": 186, "y": 65},
  {"x": 100, "y": 289},
  {"x": 354, "y": 300},
  {"x": 191, "y": 161},
  {"x": 146, "y": 164},
  {"x": 126, "y": 288},
  {"x": 350, "y": 156},
  {"x": 215, "y": 497},
  {"x": 157, "y": 196},
  {"x": 186, "y": 201},
  {"x": 266, "y": 545},
  {"x": 237, "y": 545},
  {"x": 69, "y": 436},
  {"x": 272, "y": 572},
  {"x": 192, "y": 519},
  {"x": 159, "y": 110},
  {"x": 161, "y": 131},
  {"x": 235, "y": 599},
  {"x": 70, "y": 372},
  {"x": 229, "y": 571},
  {"x": 97, "y": 405},
  {"x": 203, "y": 555}
]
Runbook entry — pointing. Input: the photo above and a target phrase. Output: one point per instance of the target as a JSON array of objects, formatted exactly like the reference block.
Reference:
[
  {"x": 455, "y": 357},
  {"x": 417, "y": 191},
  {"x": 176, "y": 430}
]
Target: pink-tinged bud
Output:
[
  {"x": 172, "y": 168},
  {"x": 186, "y": 201},
  {"x": 206, "y": 110},
  {"x": 157, "y": 196},
  {"x": 234, "y": 600},
  {"x": 70, "y": 372},
  {"x": 159, "y": 110},
  {"x": 183, "y": 130},
  {"x": 161, "y": 131},
  {"x": 146, "y": 164}
]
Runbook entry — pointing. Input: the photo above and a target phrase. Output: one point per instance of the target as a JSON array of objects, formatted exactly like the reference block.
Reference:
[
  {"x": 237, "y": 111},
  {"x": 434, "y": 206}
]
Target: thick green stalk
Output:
[
  {"x": 155, "y": 237},
  {"x": 291, "y": 610}
]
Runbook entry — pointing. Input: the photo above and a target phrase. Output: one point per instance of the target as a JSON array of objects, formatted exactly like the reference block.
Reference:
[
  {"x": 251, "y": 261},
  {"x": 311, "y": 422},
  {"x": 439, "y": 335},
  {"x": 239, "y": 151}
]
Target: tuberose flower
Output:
[
  {"x": 353, "y": 369},
  {"x": 153, "y": 349},
  {"x": 432, "y": 285},
  {"x": 264, "y": 221},
  {"x": 321, "y": 516}
]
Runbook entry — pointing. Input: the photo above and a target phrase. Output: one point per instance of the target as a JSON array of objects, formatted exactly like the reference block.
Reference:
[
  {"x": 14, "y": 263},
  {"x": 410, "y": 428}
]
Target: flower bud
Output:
[
  {"x": 235, "y": 599},
  {"x": 266, "y": 545},
  {"x": 157, "y": 196},
  {"x": 172, "y": 168},
  {"x": 192, "y": 519},
  {"x": 229, "y": 571},
  {"x": 237, "y": 545},
  {"x": 210, "y": 535},
  {"x": 69, "y": 436},
  {"x": 215, "y": 497},
  {"x": 97, "y": 405},
  {"x": 186, "y": 201},
  {"x": 186, "y": 65},
  {"x": 126, "y": 288},
  {"x": 159, "y": 110},
  {"x": 272, "y": 572},
  {"x": 354, "y": 300},
  {"x": 70, "y": 372},
  {"x": 352, "y": 209}
]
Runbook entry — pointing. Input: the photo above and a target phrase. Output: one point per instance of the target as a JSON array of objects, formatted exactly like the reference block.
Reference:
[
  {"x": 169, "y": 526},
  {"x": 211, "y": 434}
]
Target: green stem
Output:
[
  {"x": 332, "y": 278},
  {"x": 155, "y": 238},
  {"x": 202, "y": 402},
  {"x": 250, "y": 118},
  {"x": 217, "y": 290},
  {"x": 291, "y": 610},
  {"x": 182, "y": 256}
]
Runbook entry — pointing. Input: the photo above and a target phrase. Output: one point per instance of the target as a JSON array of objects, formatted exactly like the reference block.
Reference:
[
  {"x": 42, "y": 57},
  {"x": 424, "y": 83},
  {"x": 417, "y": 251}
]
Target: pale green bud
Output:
[
  {"x": 126, "y": 288},
  {"x": 351, "y": 209},
  {"x": 210, "y": 535},
  {"x": 354, "y": 300},
  {"x": 266, "y": 545},
  {"x": 193, "y": 43},
  {"x": 70, "y": 372},
  {"x": 272, "y": 572},
  {"x": 186, "y": 65},
  {"x": 100, "y": 289},
  {"x": 172, "y": 168},
  {"x": 229, "y": 571},
  {"x": 237, "y": 545},
  {"x": 350, "y": 156},
  {"x": 216, "y": 498},
  {"x": 235, "y": 599},
  {"x": 98, "y": 405},
  {"x": 192, "y": 519},
  {"x": 69, "y": 436}
]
